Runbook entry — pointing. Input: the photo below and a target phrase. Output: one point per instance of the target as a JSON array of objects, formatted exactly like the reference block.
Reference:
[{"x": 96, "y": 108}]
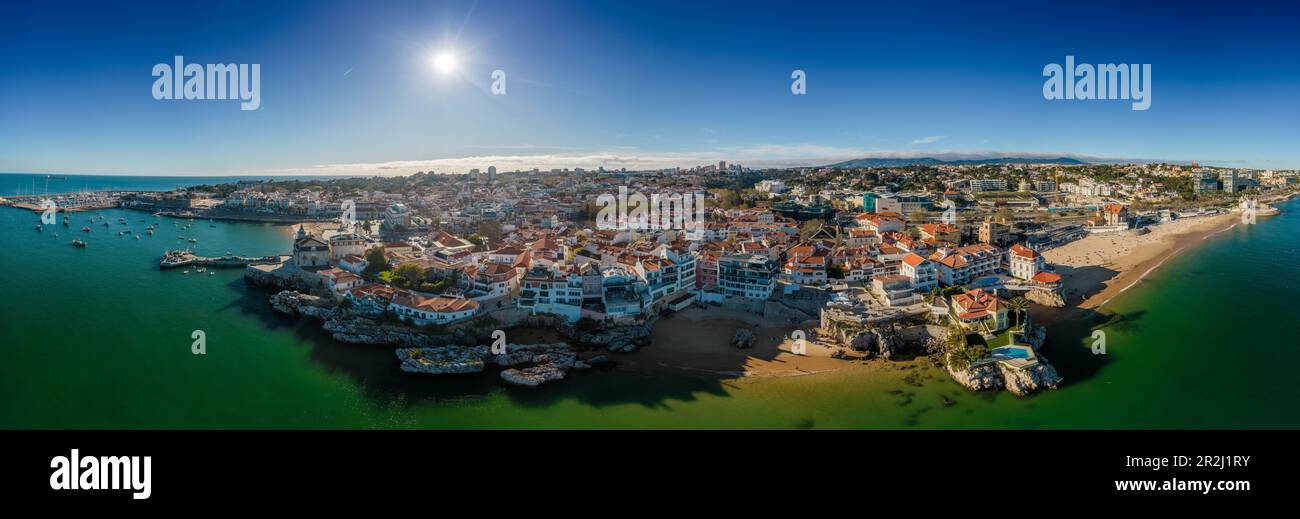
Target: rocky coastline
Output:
[
  {"x": 461, "y": 349},
  {"x": 464, "y": 349},
  {"x": 526, "y": 364},
  {"x": 1019, "y": 381}
]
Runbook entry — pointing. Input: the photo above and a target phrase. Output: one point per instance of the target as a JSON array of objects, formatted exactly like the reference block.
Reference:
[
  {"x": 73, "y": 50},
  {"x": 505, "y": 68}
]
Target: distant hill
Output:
[{"x": 931, "y": 161}]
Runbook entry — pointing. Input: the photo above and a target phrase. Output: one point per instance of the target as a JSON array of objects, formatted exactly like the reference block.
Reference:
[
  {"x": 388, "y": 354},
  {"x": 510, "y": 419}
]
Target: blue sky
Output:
[{"x": 347, "y": 87}]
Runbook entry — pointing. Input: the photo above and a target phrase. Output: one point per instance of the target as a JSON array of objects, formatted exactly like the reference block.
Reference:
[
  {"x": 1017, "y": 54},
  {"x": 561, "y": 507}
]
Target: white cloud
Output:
[
  {"x": 758, "y": 156},
  {"x": 930, "y": 139}
]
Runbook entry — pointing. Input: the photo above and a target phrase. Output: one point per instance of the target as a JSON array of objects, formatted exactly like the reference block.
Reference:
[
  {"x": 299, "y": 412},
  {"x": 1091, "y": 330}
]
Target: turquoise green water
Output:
[{"x": 99, "y": 337}]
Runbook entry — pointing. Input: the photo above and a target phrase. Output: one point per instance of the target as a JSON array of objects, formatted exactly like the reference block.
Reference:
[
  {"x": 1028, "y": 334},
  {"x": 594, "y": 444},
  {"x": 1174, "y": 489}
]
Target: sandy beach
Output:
[
  {"x": 1099, "y": 267},
  {"x": 698, "y": 340}
]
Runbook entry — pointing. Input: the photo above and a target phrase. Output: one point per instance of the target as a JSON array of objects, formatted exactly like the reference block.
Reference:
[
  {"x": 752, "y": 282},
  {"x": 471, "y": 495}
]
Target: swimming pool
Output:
[
  {"x": 1011, "y": 352},
  {"x": 985, "y": 282}
]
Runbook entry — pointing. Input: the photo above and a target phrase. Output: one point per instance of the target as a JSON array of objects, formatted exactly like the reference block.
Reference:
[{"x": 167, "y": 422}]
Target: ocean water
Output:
[
  {"x": 13, "y": 184},
  {"x": 99, "y": 337}
]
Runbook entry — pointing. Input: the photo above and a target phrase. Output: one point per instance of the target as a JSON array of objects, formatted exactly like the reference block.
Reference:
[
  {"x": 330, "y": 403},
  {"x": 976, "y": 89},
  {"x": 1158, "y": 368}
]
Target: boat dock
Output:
[{"x": 184, "y": 258}]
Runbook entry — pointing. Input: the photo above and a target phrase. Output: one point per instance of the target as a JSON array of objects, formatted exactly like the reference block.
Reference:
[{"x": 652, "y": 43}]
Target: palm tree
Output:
[{"x": 1018, "y": 305}]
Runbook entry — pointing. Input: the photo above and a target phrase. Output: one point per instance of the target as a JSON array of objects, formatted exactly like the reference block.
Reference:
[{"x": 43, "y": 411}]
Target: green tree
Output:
[
  {"x": 408, "y": 275},
  {"x": 1017, "y": 306},
  {"x": 376, "y": 261},
  {"x": 810, "y": 228},
  {"x": 491, "y": 231}
]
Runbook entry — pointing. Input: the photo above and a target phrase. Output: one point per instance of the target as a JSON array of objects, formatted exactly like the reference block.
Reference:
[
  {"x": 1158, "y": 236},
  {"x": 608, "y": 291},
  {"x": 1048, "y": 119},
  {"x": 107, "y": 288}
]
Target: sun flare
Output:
[{"x": 445, "y": 62}]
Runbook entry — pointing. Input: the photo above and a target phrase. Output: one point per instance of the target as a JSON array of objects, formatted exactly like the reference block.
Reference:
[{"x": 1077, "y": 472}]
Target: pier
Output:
[{"x": 184, "y": 258}]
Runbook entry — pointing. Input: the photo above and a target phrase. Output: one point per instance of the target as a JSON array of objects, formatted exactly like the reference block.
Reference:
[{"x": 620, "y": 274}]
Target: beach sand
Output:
[
  {"x": 698, "y": 340},
  {"x": 1099, "y": 267}
]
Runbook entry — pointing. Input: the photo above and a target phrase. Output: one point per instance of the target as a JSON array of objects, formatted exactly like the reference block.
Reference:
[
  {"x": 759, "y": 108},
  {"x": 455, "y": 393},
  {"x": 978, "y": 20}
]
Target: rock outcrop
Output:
[
  {"x": 443, "y": 360},
  {"x": 1043, "y": 297},
  {"x": 527, "y": 364},
  {"x": 1019, "y": 381},
  {"x": 1034, "y": 336},
  {"x": 442, "y": 352},
  {"x": 295, "y": 303},
  {"x": 877, "y": 343},
  {"x": 615, "y": 338},
  {"x": 345, "y": 325},
  {"x": 884, "y": 346},
  {"x": 547, "y": 367},
  {"x": 276, "y": 279},
  {"x": 742, "y": 339}
]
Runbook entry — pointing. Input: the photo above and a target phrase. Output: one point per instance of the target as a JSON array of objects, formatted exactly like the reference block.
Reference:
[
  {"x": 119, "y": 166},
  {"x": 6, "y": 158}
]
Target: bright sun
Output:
[{"x": 444, "y": 62}]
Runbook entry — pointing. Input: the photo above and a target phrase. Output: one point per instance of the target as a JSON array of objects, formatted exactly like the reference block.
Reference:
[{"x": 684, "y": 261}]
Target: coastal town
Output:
[{"x": 845, "y": 263}]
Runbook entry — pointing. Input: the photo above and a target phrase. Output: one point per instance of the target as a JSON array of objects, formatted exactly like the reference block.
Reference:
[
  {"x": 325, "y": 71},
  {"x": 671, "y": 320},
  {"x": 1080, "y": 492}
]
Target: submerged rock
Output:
[{"x": 743, "y": 339}]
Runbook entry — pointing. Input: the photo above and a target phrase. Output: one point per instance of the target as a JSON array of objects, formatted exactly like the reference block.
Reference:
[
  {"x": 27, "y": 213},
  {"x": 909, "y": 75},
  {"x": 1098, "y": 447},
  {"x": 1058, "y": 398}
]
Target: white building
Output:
[
  {"x": 397, "y": 215},
  {"x": 310, "y": 252},
  {"x": 1025, "y": 263},
  {"x": 752, "y": 277},
  {"x": 978, "y": 185},
  {"x": 895, "y": 290},
  {"x": 771, "y": 187},
  {"x": 922, "y": 272},
  {"x": 431, "y": 310},
  {"x": 965, "y": 264},
  {"x": 347, "y": 244}
]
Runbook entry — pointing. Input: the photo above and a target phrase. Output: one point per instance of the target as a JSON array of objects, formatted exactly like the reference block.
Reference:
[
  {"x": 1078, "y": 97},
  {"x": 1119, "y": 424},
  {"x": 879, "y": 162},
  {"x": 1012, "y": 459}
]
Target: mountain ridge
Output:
[{"x": 931, "y": 161}]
